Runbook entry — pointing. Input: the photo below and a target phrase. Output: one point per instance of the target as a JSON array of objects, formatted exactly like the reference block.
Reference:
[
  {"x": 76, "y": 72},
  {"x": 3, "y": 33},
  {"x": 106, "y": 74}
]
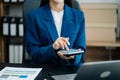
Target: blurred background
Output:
[{"x": 102, "y": 30}]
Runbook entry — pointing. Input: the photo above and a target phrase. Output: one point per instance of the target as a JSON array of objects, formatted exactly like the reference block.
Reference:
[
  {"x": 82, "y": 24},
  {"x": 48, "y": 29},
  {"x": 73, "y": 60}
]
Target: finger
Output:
[
  {"x": 79, "y": 49},
  {"x": 61, "y": 44},
  {"x": 72, "y": 57},
  {"x": 62, "y": 56},
  {"x": 66, "y": 40},
  {"x": 56, "y": 45},
  {"x": 66, "y": 46}
]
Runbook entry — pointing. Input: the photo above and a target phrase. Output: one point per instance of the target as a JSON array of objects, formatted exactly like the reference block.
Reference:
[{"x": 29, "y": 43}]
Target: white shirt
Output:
[{"x": 58, "y": 19}]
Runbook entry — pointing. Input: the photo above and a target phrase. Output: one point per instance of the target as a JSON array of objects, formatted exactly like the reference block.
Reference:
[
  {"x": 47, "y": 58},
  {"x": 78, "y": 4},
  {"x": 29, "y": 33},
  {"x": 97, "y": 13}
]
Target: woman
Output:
[{"x": 52, "y": 27}]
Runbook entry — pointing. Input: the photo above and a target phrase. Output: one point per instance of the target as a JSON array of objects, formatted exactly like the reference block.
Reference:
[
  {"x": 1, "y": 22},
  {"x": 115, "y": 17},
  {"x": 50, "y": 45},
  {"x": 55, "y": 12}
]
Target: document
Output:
[{"x": 16, "y": 73}]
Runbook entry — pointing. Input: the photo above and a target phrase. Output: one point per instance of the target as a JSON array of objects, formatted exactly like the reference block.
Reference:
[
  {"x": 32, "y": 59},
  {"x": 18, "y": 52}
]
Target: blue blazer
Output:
[{"x": 41, "y": 33}]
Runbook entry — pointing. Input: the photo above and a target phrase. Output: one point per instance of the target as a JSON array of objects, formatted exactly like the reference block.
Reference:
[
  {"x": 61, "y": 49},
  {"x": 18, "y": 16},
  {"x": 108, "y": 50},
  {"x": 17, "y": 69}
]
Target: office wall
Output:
[
  {"x": 106, "y": 1},
  {"x": 101, "y": 53},
  {"x": 110, "y": 1}
]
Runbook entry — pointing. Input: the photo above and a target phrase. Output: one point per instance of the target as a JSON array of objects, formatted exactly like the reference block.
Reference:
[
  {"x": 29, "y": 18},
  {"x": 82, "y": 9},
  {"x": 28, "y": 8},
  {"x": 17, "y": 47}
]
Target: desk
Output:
[
  {"x": 103, "y": 44},
  {"x": 53, "y": 69},
  {"x": 109, "y": 45},
  {"x": 87, "y": 69}
]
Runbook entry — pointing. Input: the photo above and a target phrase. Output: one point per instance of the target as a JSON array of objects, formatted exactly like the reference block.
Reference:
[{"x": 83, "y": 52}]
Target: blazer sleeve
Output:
[
  {"x": 39, "y": 54},
  {"x": 80, "y": 41}
]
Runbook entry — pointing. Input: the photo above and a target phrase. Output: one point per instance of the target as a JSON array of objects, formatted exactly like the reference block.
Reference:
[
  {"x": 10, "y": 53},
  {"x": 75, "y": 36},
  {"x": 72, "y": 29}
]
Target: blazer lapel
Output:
[
  {"x": 68, "y": 22},
  {"x": 49, "y": 22}
]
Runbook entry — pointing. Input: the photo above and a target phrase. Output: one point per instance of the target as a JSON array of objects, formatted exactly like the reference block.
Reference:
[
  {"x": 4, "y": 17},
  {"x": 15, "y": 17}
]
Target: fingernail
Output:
[{"x": 68, "y": 43}]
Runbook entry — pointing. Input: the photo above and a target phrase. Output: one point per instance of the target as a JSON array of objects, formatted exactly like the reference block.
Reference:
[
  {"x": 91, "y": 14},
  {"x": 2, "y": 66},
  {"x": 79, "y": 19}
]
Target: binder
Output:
[
  {"x": 13, "y": 27},
  {"x": 20, "y": 27},
  {"x": 20, "y": 1},
  {"x": 13, "y": 1},
  {"x": 15, "y": 53},
  {"x": 6, "y": 1},
  {"x": 11, "y": 53},
  {"x": 20, "y": 54},
  {"x": 5, "y": 26},
  {"x": 16, "y": 50}
]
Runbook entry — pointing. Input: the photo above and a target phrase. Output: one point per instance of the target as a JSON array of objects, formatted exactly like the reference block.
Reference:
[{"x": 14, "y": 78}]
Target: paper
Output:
[{"x": 15, "y": 73}]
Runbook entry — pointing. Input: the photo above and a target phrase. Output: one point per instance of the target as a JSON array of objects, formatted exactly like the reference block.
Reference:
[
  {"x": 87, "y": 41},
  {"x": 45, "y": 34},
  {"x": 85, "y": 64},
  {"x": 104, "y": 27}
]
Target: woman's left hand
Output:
[{"x": 61, "y": 55}]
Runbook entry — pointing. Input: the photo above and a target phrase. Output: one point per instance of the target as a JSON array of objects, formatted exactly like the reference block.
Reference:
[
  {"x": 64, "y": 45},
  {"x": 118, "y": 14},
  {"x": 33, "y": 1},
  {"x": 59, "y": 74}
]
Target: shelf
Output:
[{"x": 10, "y": 10}]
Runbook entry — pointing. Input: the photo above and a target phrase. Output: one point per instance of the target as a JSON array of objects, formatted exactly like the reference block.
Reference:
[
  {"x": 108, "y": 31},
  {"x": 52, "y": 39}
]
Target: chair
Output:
[
  {"x": 30, "y": 5},
  {"x": 76, "y": 4},
  {"x": 33, "y": 4}
]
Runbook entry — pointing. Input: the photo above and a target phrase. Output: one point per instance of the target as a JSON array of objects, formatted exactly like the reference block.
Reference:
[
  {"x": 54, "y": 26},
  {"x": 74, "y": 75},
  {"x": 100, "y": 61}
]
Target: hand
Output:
[
  {"x": 64, "y": 57},
  {"x": 62, "y": 43}
]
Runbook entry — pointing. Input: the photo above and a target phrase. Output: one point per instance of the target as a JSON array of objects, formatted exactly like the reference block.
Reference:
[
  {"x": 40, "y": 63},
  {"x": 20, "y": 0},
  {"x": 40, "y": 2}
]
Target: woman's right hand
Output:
[{"x": 61, "y": 43}]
